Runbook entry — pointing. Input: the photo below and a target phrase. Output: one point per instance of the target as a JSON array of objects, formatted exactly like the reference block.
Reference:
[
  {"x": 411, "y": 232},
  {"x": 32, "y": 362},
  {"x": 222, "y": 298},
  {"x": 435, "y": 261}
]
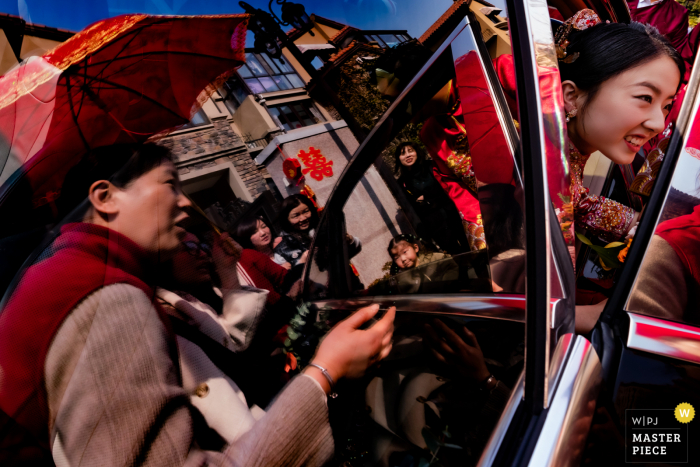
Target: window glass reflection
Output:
[
  {"x": 668, "y": 283},
  {"x": 389, "y": 39},
  {"x": 441, "y": 210},
  {"x": 255, "y": 86},
  {"x": 268, "y": 74},
  {"x": 269, "y": 84},
  {"x": 254, "y": 65},
  {"x": 438, "y": 212},
  {"x": 245, "y": 72}
]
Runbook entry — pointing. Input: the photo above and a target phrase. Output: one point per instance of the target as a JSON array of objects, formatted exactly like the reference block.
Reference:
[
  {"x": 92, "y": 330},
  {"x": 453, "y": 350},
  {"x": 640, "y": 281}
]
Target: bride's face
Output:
[{"x": 627, "y": 111}]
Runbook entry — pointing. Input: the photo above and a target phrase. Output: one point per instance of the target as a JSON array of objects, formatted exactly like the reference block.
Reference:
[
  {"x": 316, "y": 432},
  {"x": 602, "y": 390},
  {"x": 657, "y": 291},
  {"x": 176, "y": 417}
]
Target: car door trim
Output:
[
  {"x": 572, "y": 408},
  {"x": 502, "y": 306},
  {"x": 665, "y": 338}
]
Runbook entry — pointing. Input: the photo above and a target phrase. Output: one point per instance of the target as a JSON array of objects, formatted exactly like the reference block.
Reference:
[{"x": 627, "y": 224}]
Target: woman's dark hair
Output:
[
  {"x": 420, "y": 154},
  {"x": 121, "y": 164},
  {"x": 291, "y": 203},
  {"x": 246, "y": 229},
  {"x": 608, "y": 49}
]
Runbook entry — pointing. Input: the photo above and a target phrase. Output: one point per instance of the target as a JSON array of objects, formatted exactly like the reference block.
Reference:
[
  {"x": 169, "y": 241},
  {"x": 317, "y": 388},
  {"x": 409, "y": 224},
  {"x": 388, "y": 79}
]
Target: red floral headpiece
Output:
[{"x": 583, "y": 19}]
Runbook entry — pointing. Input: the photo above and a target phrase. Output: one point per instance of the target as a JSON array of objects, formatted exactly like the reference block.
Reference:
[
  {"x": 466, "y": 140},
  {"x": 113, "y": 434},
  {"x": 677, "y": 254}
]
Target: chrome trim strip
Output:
[
  {"x": 541, "y": 54},
  {"x": 494, "y": 442},
  {"x": 561, "y": 353},
  {"x": 563, "y": 321},
  {"x": 666, "y": 338},
  {"x": 502, "y": 306},
  {"x": 572, "y": 408}
]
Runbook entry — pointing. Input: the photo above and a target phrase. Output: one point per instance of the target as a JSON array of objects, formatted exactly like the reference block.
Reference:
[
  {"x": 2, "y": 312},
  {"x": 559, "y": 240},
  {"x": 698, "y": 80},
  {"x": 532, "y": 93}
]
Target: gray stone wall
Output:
[{"x": 206, "y": 146}]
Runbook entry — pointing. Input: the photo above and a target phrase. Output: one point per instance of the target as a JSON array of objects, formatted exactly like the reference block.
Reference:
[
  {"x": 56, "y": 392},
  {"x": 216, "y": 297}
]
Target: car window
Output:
[
  {"x": 403, "y": 230},
  {"x": 440, "y": 210},
  {"x": 668, "y": 283}
]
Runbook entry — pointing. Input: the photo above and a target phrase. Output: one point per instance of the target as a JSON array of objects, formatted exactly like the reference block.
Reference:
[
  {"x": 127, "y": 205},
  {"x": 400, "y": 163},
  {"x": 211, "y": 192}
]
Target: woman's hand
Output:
[
  {"x": 460, "y": 351},
  {"x": 304, "y": 257},
  {"x": 276, "y": 242},
  {"x": 347, "y": 351},
  {"x": 226, "y": 253}
]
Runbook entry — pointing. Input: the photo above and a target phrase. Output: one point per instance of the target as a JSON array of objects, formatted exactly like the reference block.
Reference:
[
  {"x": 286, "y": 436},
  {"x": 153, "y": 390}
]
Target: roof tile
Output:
[{"x": 445, "y": 16}]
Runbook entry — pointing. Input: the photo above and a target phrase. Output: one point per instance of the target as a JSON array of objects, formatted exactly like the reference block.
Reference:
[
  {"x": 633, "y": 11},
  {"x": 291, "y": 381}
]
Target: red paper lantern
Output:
[{"x": 292, "y": 169}]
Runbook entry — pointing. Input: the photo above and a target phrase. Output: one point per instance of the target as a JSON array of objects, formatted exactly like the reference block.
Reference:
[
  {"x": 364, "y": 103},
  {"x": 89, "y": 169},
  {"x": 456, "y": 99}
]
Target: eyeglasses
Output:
[{"x": 194, "y": 248}]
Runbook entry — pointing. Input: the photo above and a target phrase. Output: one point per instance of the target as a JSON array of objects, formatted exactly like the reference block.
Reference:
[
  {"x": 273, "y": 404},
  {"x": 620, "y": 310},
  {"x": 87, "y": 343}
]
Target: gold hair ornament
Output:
[{"x": 583, "y": 19}]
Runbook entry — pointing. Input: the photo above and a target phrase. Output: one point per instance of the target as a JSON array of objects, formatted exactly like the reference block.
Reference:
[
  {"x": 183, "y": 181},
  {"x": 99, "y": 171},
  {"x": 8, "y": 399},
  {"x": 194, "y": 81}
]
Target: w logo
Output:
[{"x": 684, "y": 412}]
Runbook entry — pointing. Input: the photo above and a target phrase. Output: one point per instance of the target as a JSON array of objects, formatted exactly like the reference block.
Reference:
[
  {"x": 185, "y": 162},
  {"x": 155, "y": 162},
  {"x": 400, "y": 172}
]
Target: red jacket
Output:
[{"x": 263, "y": 273}]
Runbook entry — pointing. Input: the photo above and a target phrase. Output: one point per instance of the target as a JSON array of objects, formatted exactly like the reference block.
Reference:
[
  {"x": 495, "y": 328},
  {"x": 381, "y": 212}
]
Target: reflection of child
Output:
[
  {"x": 417, "y": 272},
  {"x": 403, "y": 250}
]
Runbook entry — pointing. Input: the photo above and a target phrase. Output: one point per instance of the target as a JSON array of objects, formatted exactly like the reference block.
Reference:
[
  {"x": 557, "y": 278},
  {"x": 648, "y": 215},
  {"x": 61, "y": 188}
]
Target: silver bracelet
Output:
[{"x": 328, "y": 376}]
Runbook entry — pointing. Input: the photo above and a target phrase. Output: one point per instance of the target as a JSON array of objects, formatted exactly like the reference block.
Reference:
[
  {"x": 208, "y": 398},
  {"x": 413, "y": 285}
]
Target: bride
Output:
[{"x": 619, "y": 82}]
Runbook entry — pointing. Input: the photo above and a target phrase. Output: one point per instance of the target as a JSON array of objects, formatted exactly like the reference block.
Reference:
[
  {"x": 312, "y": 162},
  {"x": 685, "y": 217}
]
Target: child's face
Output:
[{"x": 405, "y": 255}]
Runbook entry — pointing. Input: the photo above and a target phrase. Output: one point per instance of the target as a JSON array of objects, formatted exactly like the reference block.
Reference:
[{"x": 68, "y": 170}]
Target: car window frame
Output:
[{"x": 367, "y": 154}]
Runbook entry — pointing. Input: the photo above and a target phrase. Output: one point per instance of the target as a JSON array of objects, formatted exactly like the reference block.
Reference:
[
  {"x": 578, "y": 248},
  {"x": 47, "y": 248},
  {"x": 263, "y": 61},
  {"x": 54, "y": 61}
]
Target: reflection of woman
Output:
[
  {"x": 255, "y": 234},
  {"x": 465, "y": 138},
  {"x": 224, "y": 409},
  {"x": 446, "y": 140},
  {"x": 93, "y": 356},
  {"x": 440, "y": 219},
  {"x": 299, "y": 219}
]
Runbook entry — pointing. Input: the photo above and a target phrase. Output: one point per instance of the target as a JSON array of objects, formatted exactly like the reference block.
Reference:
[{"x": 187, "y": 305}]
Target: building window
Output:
[
  {"x": 387, "y": 40},
  {"x": 317, "y": 62},
  {"x": 264, "y": 74},
  {"x": 199, "y": 119},
  {"x": 233, "y": 93},
  {"x": 295, "y": 115}
]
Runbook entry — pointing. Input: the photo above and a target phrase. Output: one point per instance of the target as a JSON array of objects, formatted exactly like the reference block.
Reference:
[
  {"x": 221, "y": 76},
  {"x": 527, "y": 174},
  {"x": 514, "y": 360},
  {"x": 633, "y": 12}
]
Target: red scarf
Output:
[
  {"x": 84, "y": 258},
  {"x": 683, "y": 234}
]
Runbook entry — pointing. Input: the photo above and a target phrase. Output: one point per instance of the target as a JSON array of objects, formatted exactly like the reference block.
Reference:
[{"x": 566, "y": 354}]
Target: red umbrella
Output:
[
  {"x": 120, "y": 80},
  {"x": 491, "y": 157}
]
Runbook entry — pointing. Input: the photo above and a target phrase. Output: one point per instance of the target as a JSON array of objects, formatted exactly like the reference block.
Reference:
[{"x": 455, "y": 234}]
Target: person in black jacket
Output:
[{"x": 440, "y": 220}]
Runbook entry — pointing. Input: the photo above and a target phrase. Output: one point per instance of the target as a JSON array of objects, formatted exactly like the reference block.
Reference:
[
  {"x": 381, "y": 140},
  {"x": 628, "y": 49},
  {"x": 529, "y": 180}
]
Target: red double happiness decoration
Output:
[{"x": 317, "y": 166}]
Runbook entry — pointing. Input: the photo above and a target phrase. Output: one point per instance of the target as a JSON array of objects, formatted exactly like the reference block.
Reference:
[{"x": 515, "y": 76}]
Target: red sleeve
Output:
[
  {"x": 265, "y": 273},
  {"x": 273, "y": 271}
]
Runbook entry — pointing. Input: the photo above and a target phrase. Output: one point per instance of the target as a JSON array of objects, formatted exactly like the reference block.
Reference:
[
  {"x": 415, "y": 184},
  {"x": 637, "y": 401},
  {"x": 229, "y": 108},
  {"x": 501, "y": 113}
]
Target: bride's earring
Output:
[{"x": 571, "y": 114}]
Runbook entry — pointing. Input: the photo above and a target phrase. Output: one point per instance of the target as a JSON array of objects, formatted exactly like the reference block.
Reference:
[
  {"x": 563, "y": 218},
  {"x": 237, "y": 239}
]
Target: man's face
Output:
[{"x": 150, "y": 209}]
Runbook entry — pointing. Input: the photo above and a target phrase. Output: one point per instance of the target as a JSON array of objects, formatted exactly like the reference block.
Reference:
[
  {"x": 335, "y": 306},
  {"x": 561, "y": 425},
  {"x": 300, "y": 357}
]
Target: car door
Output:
[
  {"x": 648, "y": 335},
  {"x": 416, "y": 408},
  {"x": 418, "y": 405}
]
